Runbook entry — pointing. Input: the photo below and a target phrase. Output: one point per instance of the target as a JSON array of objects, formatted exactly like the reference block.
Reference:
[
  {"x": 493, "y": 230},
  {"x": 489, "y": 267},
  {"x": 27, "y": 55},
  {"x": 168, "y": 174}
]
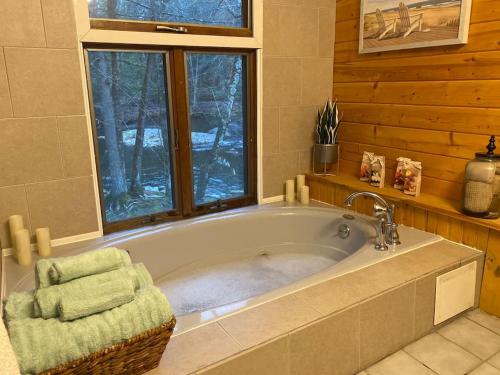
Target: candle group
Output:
[
  {"x": 21, "y": 240},
  {"x": 302, "y": 193}
]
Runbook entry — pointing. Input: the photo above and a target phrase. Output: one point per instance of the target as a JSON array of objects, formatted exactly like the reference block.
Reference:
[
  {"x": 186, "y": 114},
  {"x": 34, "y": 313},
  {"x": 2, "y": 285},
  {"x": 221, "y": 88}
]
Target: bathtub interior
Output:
[{"x": 209, "y": 267}]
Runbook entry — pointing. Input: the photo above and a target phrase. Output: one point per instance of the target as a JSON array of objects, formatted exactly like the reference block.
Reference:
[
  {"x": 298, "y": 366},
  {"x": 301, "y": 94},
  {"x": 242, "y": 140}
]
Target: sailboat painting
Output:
[{"x": 388, "y": 25}]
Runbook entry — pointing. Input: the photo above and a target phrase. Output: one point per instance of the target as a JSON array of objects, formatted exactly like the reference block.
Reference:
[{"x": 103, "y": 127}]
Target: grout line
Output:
[
  {"x": 8, "y": 82},
  {"x": 60, "y": 146},
  {"x": 460, "y": 346},
  {"x": 43, "y": 24},
  {"x": 479, "y": 324},
  {"x": 419, "y": 361}
]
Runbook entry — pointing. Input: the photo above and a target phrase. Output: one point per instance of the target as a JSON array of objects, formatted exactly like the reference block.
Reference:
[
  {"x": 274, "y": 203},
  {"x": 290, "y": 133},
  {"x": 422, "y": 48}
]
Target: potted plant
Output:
[{"x": 327, "y": 127}]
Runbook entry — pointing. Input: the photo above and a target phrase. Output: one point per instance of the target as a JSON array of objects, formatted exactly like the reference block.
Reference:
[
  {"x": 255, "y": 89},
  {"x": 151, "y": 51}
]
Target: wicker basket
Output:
[{"x": 134, "y": 356}]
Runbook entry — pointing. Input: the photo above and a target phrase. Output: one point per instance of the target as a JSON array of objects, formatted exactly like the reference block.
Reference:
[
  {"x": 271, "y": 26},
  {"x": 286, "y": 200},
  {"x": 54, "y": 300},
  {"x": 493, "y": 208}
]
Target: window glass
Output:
[
  {"x": 228, "y": 13},
  {"x": 218, "y": 121},
  {"x": 132, "y": 122}
]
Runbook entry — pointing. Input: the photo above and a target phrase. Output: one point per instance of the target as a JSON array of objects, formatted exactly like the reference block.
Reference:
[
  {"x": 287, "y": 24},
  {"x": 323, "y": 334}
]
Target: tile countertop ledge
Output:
[
  {"x": 205, "y": 347},
  {"x": 427, "y": 201}
]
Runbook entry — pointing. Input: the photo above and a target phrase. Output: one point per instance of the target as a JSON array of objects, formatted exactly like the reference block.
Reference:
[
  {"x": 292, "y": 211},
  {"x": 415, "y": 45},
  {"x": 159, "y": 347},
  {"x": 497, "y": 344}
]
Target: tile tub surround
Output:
[
  {"x": 297, "y": 80},
  {"x": 44, "y": 143},
  {"x": 341, "y": 326}
]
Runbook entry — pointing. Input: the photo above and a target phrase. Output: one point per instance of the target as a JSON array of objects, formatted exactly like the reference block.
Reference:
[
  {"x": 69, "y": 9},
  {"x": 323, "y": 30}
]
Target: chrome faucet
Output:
[{"x": 387, "y": 229}]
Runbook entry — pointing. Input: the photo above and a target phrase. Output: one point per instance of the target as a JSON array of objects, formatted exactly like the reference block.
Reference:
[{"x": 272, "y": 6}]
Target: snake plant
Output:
[{"x": 328, "y": 123}]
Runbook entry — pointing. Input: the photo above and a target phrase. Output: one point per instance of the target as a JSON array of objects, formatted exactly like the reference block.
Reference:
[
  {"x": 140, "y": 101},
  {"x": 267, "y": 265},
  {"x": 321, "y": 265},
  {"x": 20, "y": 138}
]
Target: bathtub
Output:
[{"x": 219, "y": 264}]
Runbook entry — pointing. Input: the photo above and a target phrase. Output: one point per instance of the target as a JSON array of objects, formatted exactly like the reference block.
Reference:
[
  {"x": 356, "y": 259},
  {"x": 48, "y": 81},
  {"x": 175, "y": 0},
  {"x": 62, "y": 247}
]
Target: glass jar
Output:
[{"x": 482, "y": 185}]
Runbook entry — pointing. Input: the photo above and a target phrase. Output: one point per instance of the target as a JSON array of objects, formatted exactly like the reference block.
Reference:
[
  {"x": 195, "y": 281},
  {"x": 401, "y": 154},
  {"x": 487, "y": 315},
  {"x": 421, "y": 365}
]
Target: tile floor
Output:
[{"x": 469, "y": 345}]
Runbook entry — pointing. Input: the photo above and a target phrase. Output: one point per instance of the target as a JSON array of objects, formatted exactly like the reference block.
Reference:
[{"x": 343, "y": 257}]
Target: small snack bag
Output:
[
  {"x": 413, "y": 178},
  {"x": 377, "y": 178},
  {"x": 366, "y": 166},
  {"x": 399, "y": 178}
]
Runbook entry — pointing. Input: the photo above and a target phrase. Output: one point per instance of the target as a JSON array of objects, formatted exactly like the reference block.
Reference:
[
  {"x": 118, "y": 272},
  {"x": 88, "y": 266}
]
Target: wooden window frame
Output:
[
  {"x": 192, "y": 28},
  {"x": 180, "y": 135}
]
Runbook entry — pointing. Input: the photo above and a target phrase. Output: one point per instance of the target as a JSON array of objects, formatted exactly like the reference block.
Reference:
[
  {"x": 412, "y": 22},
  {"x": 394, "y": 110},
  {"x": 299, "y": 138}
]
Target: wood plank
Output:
[
  {"x": 453, "y": 144},
  {"x": 482, "y": 37},
  {"x": 479, "y": 65},
  {"x": 469, "y": 234},
  {"x": 483, "y": 235},
  {"x": 432, "y": 222},
  {"x": 420, "y": 218},
  {"x": 490, "y": 293},
  {"x": 452, "y": 93},
  {"x": 482, "y": 10},
  {"x": 443, "y": 226},
  {"x": 460, "y": 119},
  {"x": 431, "y": 202},
  {"x": 434, "y": 166},
  {"x": 456, "y": 230}
]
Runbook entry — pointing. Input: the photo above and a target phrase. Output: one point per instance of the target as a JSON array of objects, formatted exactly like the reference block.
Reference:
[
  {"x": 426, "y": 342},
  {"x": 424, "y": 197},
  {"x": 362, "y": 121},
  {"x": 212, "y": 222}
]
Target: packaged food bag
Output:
[
  {"x": 377, "y": 176},
  {"x": 366, "y": 166},
  {"x": 413, "y": 178},
  {"x": 399, "y": 177}
]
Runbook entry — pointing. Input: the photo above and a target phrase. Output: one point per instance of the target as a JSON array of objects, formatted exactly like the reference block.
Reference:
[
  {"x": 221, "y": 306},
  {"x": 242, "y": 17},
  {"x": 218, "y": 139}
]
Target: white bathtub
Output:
[{"x": 219, "y": 264}]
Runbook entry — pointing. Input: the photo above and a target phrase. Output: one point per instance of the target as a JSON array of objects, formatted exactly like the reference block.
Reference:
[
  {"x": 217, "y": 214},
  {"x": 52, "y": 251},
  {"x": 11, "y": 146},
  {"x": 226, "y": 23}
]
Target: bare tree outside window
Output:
[
  {"x": 228, "y": 13},
  {"x": 132, "y": 120}
]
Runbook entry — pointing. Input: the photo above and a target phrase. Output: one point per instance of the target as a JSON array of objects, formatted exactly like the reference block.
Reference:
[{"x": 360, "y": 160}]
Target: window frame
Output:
[
  {"x": 176, "y": 81},
  {"x": 193, "y": 28}
]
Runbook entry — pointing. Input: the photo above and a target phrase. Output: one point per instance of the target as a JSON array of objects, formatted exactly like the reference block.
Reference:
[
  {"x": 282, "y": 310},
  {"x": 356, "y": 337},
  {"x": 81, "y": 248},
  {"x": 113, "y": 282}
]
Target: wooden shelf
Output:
[{"x": 429, "y": 202}]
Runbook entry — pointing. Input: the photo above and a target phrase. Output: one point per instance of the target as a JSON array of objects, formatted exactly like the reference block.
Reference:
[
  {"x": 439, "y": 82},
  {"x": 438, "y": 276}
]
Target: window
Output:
[
  {"x": 216, "y": 17},
  {"x": 174, "y": 132}
]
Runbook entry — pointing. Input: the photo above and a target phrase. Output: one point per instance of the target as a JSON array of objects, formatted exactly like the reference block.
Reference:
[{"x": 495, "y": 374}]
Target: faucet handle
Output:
[
  {"x": 379, "y": 210},
  {"x": 392, "y": 235}
]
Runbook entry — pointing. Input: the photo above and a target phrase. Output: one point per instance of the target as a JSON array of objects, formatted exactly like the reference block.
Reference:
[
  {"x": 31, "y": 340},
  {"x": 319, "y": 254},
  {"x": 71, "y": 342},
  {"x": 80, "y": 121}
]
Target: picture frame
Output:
[{"x": 391, "y": 25}]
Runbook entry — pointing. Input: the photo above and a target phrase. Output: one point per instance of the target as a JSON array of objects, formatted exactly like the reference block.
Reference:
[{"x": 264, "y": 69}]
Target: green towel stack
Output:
[
  {"x": 61, "y": 270},
  {"x": 82, "y": 304}
]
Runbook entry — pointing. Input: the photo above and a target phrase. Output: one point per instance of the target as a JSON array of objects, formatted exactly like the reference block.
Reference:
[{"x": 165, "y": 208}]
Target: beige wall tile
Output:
[
  {"x": 305, "y": 160},
  {"x": 479, "y": 275},
  {"x": 296, "y": 128},
  {"x": 196, "y": 349},
  {"x": 326, "y": 32},
  {"x": 299, "y": 31},
  {"x": 5, "y": 103},
  {"x": 257, "y": 325},
  {"x": 387, "y": 324},
  {"x": 328, "y": 347},
  {"x": 60, "y": 23},
  {"x": 12, "y": 202},
  {"x": 425, "y": 298},
  {"x": 282, "y": 81},
  {"x": 21, "y": 23},
  {"x": 270, "y": 130},
  {"x": 271, "y": 44},
  {"x": 276, "y": 170},
  {"x": 269, "y": 359},
  {"x": 50, "y": 87},
  {"x": 29, "y": 151},
  {"x": 495, "y": 361},
  {"x": 317, "y": 78},
  {"x": 75, "y": 146},
  {"x": 67, "y": 207}
]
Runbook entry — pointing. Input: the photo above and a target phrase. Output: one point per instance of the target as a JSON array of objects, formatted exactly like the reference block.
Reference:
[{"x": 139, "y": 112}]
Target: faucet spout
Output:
[{"x": 387, "y": 229}]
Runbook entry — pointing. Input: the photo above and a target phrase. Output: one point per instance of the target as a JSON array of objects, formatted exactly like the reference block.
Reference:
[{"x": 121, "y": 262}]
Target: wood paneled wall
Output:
[{"x": 436, "y": 105}]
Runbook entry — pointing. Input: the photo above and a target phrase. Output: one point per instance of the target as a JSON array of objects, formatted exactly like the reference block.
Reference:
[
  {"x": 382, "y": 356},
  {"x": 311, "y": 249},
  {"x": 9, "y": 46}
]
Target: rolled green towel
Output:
[
  {"x": 86, "y": 264},
  {"x": 91, "y": 301},
  {"x": 45, "y": 344},
  {"x": 19, "y": 306},
  {"x": 47, "y": 299}
]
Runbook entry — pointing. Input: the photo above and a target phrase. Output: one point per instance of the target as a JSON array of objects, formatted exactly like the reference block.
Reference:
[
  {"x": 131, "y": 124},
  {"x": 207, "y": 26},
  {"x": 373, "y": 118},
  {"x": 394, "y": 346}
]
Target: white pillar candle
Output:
[
  {"x": 290, "y": 191},
  {"x": 16, "y": 223},
  {"x": 23, "y": 247},
  {"x": 304, "y": 194},
  {"x": 301, "y": 181},
  {"x": 43, "y": 242}
]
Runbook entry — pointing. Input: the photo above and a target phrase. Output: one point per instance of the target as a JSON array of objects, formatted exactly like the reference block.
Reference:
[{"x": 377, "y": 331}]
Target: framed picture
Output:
[{"x": 389, "y": 25}]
